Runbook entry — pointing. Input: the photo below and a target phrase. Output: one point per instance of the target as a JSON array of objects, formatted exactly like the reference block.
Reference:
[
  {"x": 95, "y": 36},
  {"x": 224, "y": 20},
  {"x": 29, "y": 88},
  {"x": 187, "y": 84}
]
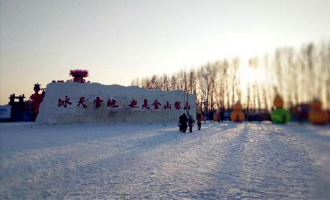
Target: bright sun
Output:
[{"x": 251, "y": 76}]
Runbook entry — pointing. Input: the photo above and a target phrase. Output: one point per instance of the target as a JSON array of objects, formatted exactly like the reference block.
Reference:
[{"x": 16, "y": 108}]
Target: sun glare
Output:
[{"x": 250, "y": 76}]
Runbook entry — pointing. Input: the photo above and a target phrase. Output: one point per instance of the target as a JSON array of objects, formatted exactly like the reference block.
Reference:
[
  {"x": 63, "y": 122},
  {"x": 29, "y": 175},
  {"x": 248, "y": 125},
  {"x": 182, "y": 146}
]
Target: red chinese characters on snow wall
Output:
[
  {"x": 64, "y": 102},
  {"x": 145, "y": 104},
  {"x": 177, "y": 105},
  {"x": 113, "y": 103},
  {"x": 82, "y": 102},
  {"x": 156, "y": 104},
  {"x": 98, "y": 102},
  {"x": 133, "y": 104},
  {"x": 167, "y": 105},
  {"x": 74, "y": 102}
]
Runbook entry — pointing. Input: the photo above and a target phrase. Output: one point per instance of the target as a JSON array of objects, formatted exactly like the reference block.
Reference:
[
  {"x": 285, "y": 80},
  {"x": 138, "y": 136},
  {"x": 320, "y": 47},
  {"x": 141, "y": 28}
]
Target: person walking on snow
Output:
[
  {"x": 183, "y": 122},
  {"x": 191, "y": 121},
  {"x": 221, "y": 116},
  {"x": 211, "y": 116},
  {"x": 199, "y": 121}
]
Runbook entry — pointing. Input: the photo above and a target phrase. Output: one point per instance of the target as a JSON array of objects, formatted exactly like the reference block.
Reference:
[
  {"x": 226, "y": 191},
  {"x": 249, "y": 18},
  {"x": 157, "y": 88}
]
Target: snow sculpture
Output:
[
  {"x": 318, "y": 116},
  {"x": 91, "y": 95},
  {"x": 237, "y": 115},
  {"x": 280, "y": 115},
  {"x": 37, "y": 99}
]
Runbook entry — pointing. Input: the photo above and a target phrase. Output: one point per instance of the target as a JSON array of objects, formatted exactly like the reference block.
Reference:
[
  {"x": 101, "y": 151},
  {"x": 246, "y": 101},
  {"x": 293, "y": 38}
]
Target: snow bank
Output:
[{"x": 51, "y": 112}]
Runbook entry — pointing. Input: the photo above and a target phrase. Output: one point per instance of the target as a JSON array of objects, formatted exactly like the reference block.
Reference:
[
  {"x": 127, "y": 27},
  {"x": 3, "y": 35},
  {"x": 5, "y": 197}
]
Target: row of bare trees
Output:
[{"x": 299, "y": 76}]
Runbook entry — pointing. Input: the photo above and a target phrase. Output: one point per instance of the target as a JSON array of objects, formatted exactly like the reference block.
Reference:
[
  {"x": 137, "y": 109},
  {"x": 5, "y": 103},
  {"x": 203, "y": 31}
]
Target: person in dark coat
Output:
[
  {"x": 211, "y": 116},
  {"x": 191, "y": 122},
  {"x": 199, "y": 121},
  {"x": 180, "y": 120},
  {"x": 222, "y": 115},
  {"x": 183, "y": 122}
]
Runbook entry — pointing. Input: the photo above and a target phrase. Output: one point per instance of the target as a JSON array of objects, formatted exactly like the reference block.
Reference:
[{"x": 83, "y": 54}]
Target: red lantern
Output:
[{"x": 79, "y": 75}]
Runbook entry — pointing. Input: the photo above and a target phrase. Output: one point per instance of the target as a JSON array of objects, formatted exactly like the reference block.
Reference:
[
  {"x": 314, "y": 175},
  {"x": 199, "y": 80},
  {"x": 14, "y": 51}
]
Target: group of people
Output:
[
  {"x": 183, "y": 119},
  {"x": 210, "y": 116}
]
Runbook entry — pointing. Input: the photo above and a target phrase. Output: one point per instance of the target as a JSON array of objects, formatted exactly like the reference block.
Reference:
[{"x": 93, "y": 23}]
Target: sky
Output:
[{"x": 117, "y": 41}]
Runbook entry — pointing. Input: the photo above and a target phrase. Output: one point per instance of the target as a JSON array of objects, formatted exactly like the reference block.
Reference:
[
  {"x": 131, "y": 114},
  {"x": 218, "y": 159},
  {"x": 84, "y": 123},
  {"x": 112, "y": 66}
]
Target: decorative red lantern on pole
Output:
[{"x": 79, "y": 75}]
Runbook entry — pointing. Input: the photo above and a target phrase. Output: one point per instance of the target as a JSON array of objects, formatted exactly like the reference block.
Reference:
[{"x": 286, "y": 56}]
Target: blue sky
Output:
[{"x": 117, "y": 41}]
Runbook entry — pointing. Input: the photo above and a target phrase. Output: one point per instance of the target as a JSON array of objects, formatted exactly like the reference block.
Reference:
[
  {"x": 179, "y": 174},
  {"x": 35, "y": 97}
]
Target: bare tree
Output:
[
  {"x": 264, "y": 92},
  {"x": 166, "y": 82},
  {"x": 235, "y": 65},
  {"x": 248, "y": 98},
  {"x": 258, "y": 97},
  {"x": 223, "y": 78},
  {"x": 298, "y": 76},
  {"x": 192, "y": 81},
  {"x": 278, "y": 67},
  {"x": 327, "y": 83},
  {"x": 201, "y": 93},
  {"x": 174, "y": 83},
  {"x": 153, "y": 82}
]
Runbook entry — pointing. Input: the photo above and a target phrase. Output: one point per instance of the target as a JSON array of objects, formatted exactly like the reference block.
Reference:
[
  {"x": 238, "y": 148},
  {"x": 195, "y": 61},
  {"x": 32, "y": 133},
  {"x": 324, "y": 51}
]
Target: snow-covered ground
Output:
[{"x": 222, "y": 161}]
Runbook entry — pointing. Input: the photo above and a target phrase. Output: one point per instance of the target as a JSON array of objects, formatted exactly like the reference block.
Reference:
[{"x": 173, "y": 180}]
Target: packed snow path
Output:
[{"x": 222, "y": 161}]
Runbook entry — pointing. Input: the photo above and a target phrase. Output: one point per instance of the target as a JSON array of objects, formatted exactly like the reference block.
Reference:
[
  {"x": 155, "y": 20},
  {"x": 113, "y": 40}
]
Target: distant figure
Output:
[
  {"x": 211, "y": 116},
  {"x": 199, "y": 121},
  {"x": 183, "y": 122},
  {"x": 190, "y": 122},
  {"x": 222, "y": 116},
  {"x": 206, "y": 116}
]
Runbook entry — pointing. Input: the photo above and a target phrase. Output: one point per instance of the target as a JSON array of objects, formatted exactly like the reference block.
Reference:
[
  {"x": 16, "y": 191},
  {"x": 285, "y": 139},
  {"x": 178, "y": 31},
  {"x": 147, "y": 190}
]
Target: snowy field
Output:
[{"x": 222, "y": 161}]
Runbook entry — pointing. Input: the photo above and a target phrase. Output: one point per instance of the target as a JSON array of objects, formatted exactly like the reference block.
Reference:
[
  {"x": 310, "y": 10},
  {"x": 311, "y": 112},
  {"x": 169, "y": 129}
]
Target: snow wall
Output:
[{"x": 51, "y": 112}]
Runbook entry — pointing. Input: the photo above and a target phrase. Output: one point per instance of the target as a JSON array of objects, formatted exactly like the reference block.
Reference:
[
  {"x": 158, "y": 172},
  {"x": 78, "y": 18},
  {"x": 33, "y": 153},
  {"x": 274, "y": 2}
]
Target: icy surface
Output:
[{"x": 222, "y": 161}]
